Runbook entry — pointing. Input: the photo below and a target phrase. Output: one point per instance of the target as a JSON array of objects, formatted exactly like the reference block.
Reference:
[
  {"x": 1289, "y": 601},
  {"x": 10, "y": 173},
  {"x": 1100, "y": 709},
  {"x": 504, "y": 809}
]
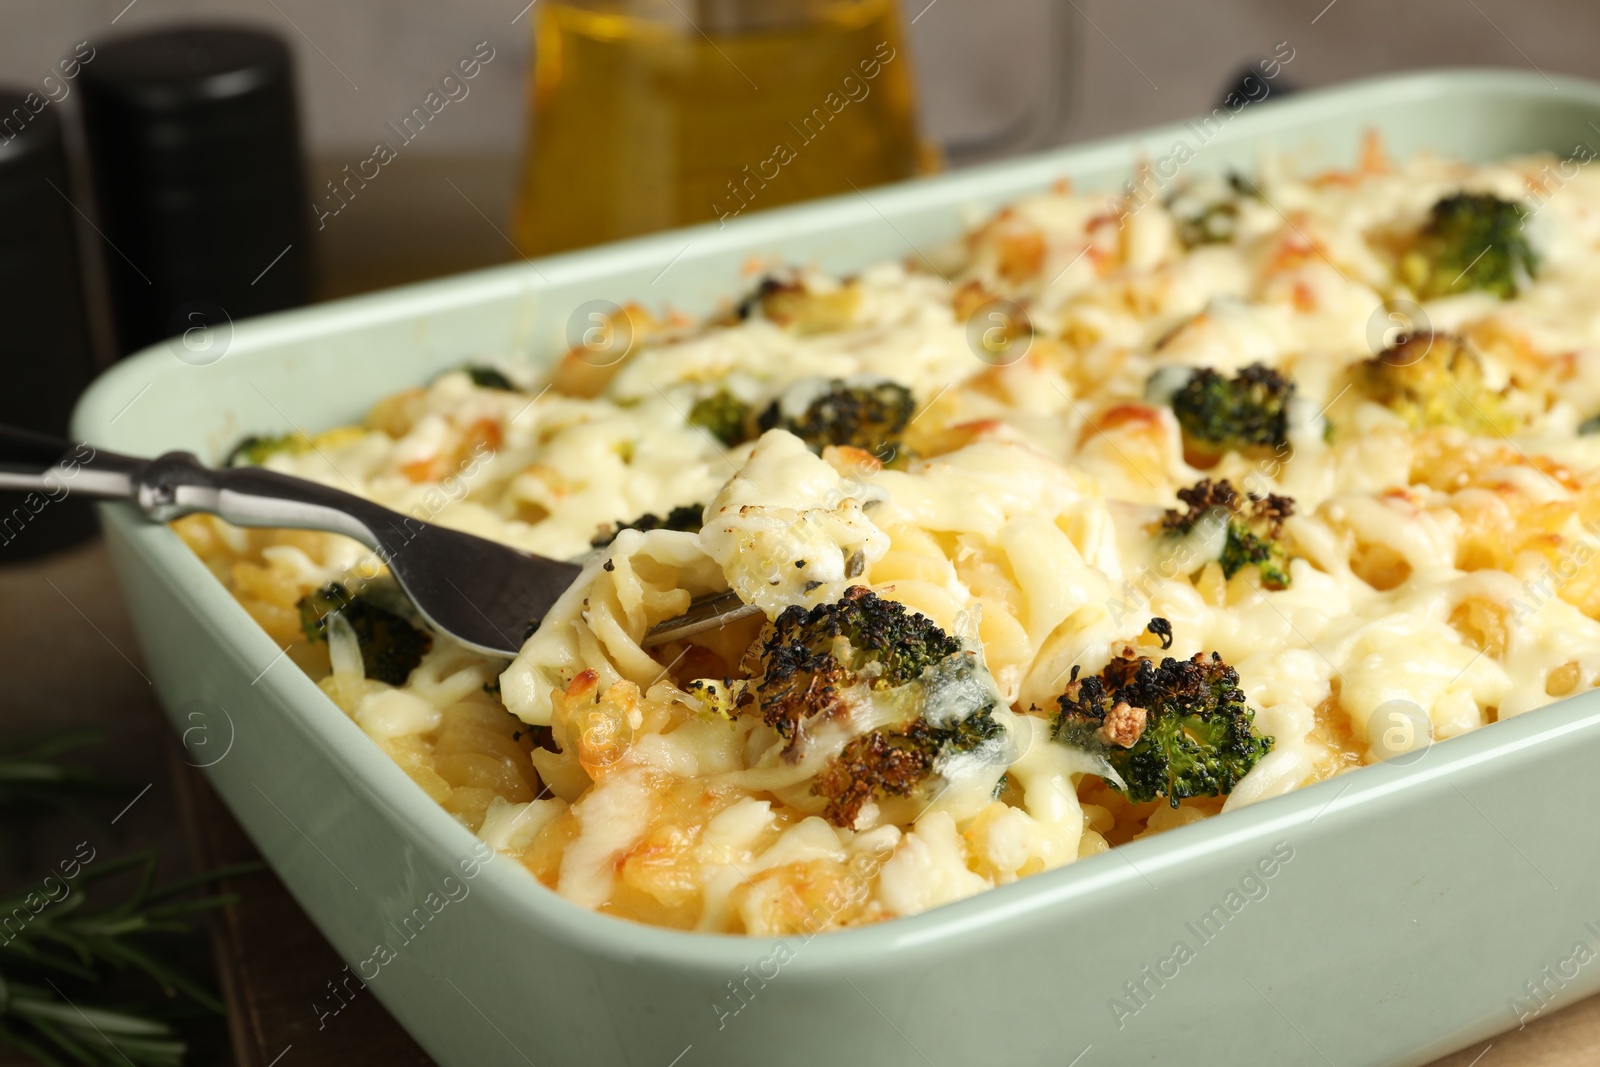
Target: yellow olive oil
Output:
[{"x": 641, "y": 124}]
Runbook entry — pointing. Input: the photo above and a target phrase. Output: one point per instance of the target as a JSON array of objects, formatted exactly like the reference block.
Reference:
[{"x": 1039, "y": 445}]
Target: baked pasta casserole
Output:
[{"x": 1107, "y": 517}]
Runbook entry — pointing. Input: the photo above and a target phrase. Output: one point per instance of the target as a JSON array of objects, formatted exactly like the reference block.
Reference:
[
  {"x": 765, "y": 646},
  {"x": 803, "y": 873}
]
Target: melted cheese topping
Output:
[
  {"x": 1450, "y": 572},
  {"x": 787, "y": 529}
]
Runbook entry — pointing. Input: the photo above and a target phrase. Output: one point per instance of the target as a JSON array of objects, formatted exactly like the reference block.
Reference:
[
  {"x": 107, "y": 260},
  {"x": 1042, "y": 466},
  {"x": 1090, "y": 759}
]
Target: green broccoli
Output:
[
  {"x": 865, "y": 654},
  {"x": 1221, "y": 414},
  {"x": 1434, "y": 379},
  {"x": 1208, "y": 213},
  {"x": 1590, "y": 425},
  {"x": 1255, "y": 527},
  {"x": 722, "y": 415},
  {"x": 1470, "y": 241},
  {"x": 1211, "y": 224},
  {"x": 391, "y": 647},
  {"x": 868, "y": 416},
  {"x": 686, "y": 517},
  {"x": 253, "y": 451},
  {"x": 1177, "y": 730},
  {"x": 489, "y": 378}
]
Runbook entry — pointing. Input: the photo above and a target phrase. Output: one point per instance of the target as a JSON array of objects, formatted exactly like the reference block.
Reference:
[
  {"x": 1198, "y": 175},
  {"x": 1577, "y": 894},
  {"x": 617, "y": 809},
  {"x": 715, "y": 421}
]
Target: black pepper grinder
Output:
[
  {"x": 46, "y": 356},
  {"x": 194, "y": 144}
]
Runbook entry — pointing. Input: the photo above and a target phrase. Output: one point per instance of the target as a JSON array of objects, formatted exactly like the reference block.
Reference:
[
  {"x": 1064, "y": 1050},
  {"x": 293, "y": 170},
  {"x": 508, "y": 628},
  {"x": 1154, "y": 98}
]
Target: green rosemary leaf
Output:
[{"x": 83, "y": 942}]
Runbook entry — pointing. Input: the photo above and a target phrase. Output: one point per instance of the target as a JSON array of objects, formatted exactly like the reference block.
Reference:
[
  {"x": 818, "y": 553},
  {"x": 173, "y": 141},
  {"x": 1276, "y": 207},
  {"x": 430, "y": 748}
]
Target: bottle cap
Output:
[{"x": 194, "y": 144}]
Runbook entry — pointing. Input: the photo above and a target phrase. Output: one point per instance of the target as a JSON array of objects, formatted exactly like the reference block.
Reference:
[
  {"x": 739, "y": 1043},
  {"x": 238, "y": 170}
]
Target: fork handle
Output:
[
  {"x": 36, "y": 464},
  {"x": 178, "y": 484}
]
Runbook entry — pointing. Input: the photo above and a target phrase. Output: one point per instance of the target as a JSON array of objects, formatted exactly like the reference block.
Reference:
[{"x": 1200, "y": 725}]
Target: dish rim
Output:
[{"x": 428, "y": 826}]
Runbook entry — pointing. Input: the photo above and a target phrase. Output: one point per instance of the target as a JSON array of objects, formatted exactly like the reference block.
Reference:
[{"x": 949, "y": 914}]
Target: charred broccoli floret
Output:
[
  {"x": 254, "y": 450},
  {"x": 391, "y": 647},
  {"x": 757, "y": 297},
  {"x": 868, "y": 416},
  {"x": 897, "y": 763},
  {"x": 1470, "y": 241},
  {"x": 722, "y": 415},
  {"x": 1220, "y": 414},
  {"x": 686, "y": 517},
  {"x": 1255, "y": 527},
  {"x": 1432, "y": 379},
  {"x": 835, "y": 661},
  {"x": 806, "y": 656},
  {"x": 1177, "y": 730},
  {"x": 489, "y": 378},
  {"x": 791, "y": 305}
]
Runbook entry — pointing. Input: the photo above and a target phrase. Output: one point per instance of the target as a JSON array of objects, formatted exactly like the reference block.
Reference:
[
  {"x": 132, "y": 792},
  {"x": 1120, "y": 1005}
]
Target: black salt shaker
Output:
[
  {"x": 46, "y": 356},
  {"x": 194, "y": 144}
]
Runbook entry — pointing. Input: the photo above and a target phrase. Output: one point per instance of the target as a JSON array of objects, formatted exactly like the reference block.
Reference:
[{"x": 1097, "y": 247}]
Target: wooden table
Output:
[{"x": 68, "y": 658}]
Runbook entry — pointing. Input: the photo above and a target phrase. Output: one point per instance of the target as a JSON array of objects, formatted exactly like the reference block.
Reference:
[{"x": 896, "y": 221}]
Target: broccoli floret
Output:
[
  {"x": 1255, "y": 527},
  {"x": 253, "y": 451},
  {"x": 1221, "y": 414},
  {"x": 391, "y": 647},
  {"x": 686, "y": 517},
  {"x": 757, "y": 298},
  {"x": 724, "y": 416},
  {"x": 1177, "y": 730},
  {"x": 1209, "y": 212},
  {"x": 791, "y": 305},
  {"x": 1212, "y": 224},
  {"x": 1470, "y": 241},
  {"x": 1433, "y": 379},
  {"x": 806, "y": 655},
  {"x": 819, "y": 665},
  {"x": 1589, "y": 425},
  {"x": 867, "y": 416},
  {"x": 897, "y": 763},
  {"x": 489, "y": 378}
]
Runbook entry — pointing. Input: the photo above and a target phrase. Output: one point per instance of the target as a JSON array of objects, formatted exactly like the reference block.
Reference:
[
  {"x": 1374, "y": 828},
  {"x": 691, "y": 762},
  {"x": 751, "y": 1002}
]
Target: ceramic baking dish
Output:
[{"x": 1386, "y": 917}]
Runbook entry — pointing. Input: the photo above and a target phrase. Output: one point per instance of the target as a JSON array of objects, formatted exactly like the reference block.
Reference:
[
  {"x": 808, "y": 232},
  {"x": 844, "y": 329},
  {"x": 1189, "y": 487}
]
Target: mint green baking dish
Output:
[{"x": 1390, "y": 916}]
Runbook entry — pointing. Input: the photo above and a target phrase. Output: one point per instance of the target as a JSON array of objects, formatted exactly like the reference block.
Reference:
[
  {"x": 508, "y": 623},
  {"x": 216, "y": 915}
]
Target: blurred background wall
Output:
[{"x": 979, "y": 64}]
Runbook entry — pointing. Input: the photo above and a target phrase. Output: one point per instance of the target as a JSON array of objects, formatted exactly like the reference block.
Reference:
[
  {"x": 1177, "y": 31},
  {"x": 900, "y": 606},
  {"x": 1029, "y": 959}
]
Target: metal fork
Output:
[{"x": 486, "y": 595}]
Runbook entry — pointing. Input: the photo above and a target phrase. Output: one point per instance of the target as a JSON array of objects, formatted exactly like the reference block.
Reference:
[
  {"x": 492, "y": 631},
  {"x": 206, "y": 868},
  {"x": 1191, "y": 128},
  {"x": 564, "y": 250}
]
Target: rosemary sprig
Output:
[
  {"x": 77, "y": 943},
  {"x": 59, "y": 948},
  {"x": 34, "y": 782},
  {"x": 31, "y": 774},
  {"x": 40, "y": 1023}
]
